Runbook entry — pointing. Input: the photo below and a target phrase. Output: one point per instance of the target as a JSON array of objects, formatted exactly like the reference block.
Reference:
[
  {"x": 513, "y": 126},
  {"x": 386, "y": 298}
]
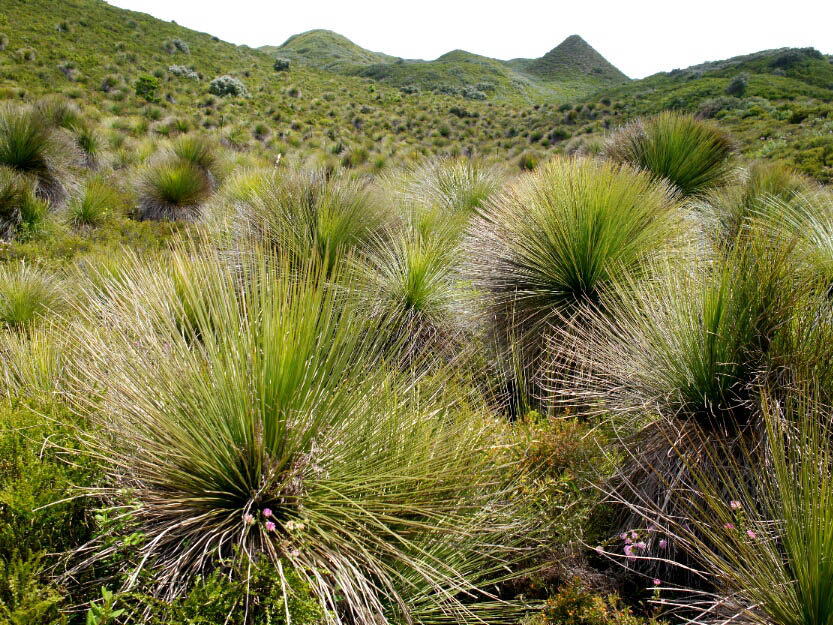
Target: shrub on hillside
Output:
[
  {"x": 281, "y": 65},
  {"x": 146, "y": 87},
  {"x": 227, "y": 86},
  {"x": 183, "y": 72},
  {"x": 737, "y": 86}
]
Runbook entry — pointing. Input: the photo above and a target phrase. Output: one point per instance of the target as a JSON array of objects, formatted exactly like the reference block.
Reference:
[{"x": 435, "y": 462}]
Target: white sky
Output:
[{"x": 640, "y": 37}]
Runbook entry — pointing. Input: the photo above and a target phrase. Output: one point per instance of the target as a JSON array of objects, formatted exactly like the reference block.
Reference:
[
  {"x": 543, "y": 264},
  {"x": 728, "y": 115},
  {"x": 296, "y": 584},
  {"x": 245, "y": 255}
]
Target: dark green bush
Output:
[
  {"x": 146, "y": 87},
  {"x": 737, "y": 86},
  {"x": 281, "y": 65}
]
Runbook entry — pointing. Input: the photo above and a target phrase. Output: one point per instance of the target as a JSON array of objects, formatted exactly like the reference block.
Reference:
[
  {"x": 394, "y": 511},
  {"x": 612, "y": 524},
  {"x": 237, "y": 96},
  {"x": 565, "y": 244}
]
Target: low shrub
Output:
[
  {"x": 227, "y": 86},
  {"x": 95, "y": 204},
  {"x": 281, "y": 65}
]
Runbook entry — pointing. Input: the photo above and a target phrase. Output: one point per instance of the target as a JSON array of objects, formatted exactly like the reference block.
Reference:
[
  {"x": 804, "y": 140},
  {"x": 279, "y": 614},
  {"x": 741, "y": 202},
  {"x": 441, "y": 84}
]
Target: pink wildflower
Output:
[
  {"x": 751, "y": 534},
  {"x": 634, "y": 534},
  {"x": 663, "y": 543},
  {"x": 734, "y": 505},
  {"x": 729, "y": 526},
  {"x": 599, "y": 550},
  {"x": 641, "y": 545},
  {"x": 248, "y": 519},
  {"x": 267, "y": 512},
  {"x": 629, "y": 552},
  {"x": 270, "y": 527},
  {"x": 657, "y": 581}
]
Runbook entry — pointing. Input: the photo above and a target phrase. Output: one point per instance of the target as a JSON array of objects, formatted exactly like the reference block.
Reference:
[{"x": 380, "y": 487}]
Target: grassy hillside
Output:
[{"x": 571, "y": 69}]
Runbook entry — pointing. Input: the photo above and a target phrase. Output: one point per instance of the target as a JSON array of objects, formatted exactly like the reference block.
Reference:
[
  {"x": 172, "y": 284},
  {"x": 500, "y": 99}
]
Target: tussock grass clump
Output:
[
  {"x": 95, "y": 204},
  {"x": 692, "y": 154},
  {"x": 27, "y": 293},
  {"x": 280, "y": 432},
  {"x": 31, "y": 148},
  {"x": 762, "y": 537},
  {"x": 172, "y": 189},
  {"x": 412, "y": 277},
  {"x": 453, "y": 184},
  {"x": 12, "y": 192},
  {"x": 90, "y": 142},
  {"x": 551, "y": 242},
  {"x": 305, "y": 213},
  {"x": 732, "y": 209},
  {"x": 201, "y": 152}
]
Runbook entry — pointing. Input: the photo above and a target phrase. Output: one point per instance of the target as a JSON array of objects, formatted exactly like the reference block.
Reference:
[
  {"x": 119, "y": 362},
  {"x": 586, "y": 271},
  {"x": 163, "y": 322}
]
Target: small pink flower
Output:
[
  {"x": 270, "y": 527},
  {"x": 599, "y": 550},
  {"x": 629, "y": 553},
  {"x": 641, "y": 545},
  {"x": 623, "y": 535},
  {"x": 267, "y": 512},
  {"x": 751, "y": 534},
  {"x": 734, "y": 505},
  {"x": 248, "y": 519},
  {"x": 729, "y": 526},
  {"x": 663, "y": 543},
  {"x": 634, "y": 535},
  {"x": 657, "y": 581},
  {"x": 652, "y": 529}
]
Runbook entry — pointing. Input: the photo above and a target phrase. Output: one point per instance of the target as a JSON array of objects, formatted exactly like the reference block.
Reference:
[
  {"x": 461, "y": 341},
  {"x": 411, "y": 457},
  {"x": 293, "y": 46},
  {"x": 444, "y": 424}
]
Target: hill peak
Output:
[{"x": 572, "y": 55}]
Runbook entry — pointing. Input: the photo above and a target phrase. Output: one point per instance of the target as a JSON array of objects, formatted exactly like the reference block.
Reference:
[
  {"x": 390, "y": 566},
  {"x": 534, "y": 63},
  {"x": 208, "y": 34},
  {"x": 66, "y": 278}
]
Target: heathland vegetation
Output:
[{"x": 312, "y": 334}]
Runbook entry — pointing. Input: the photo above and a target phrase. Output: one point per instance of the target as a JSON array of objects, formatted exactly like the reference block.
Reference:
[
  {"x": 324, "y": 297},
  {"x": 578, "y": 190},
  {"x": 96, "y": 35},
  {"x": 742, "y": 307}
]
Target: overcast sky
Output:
[{"x": 640, "y": 37}]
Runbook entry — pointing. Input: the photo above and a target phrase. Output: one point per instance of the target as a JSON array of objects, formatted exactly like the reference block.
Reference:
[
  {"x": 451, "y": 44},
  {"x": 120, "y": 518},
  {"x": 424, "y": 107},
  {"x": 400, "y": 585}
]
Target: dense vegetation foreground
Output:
[{"x": 511, "y": 363}]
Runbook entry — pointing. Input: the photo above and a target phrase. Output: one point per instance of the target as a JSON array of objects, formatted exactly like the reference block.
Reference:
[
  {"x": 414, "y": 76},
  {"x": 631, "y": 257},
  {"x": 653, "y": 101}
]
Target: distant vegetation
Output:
[{"x": 316, "y": 335}]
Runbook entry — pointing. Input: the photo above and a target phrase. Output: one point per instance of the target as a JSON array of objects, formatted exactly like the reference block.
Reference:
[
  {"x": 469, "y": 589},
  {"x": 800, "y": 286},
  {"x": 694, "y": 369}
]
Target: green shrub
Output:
[
  {"x": 227, "y": 86},
  {"x": 281, "y": 65},
  {"x": 737, "y": 86},
  {"x": 172, "y": 189},
  {"x": 146, "y": 87},
  {"x": 528, "y": 161},
  {"x": 574, "y": 604},
  {"x": 31, "y": 148},
  {"x": 692, "y": 154},
  {"x": 24, "y": 598},
  {"x": 279, "y": 433}
]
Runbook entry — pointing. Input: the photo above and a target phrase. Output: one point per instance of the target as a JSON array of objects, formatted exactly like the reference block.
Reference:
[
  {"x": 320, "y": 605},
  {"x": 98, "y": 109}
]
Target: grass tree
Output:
[
  {"x": 33, "y": 149},
  {"x": 280, "y": 432},
  {"x": 172, "y": 189},
  {"x": 555, "y": 239},
  {"x": 764, "y": 538},
  {"x": 27, "y": 293},
  {"x": 305, "y": 213},
  {"x": 692, "y": 154}
]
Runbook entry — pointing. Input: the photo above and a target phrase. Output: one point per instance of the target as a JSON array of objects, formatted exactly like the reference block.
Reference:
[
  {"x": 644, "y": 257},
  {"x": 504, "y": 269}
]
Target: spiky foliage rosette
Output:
[
  {"x": 693, "y": 155},
  {"x": 280, "y": 432},
  {"x": 553, "y": 240},
  {"x": 411, "y": 276},
  {"x": 764, "y": 192},
  {"x": 98, "y": 200},
  {"x": 12, "y": 192},
  {"x": 763, "y": 538},
  {"x": 172, "y": 189},
  {"x": 455, "y": 185},
  {"x": 27, "y": 293},
  {"x": 306, "y": 213},
  {"x": 202, "y": 152},
  {"x": 33, "y": 149},
  {"x": 689, "y": 352}
]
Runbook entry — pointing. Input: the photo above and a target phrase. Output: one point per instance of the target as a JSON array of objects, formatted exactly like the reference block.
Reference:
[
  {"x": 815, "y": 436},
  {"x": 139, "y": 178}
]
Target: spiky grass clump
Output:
[
  {"x": 31, "y": 362},
  {"x": 202, "y": 153},
  {"x": 172, "y": 189},
  {"x": 90, "y": 142},
  {"x": 693, "y": 155},
  {"x": 27, "y": 294},
  {"x": 690, "y": 352},
  {"x": 412, "y": 275},
  {"x": 763, "y": 538},
  {"x": 98, "y": 201},
  {"x": 732, "y": 209},
  {"x": 455, "y": 185},
  {"x": 279, "y": 432},
  {"x": 551, "y": 242},
  {"x": 30, "y": 147},
  {"x": 305, "y": 213}
]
